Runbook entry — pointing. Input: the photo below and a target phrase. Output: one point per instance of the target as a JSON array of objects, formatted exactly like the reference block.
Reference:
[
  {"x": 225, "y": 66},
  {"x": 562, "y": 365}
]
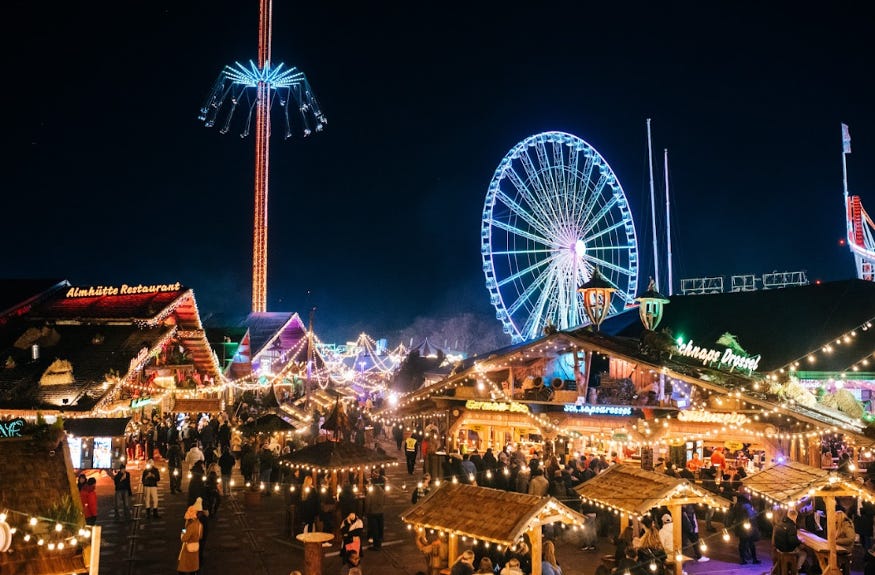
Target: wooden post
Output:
[
  {"x": 535, "y": 538},
  {"x": 677, "y": 538},
  {"x": 587, "y": 366},
  {"x": 452, "y": 547},
  {"x": 830, "y": 502},
  {"x": 94, "y": 557}
]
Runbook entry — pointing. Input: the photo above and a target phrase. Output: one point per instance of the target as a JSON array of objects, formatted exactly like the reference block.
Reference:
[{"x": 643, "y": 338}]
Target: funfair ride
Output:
[
  {"x": 256, "y": 88},
  {"x": 554, "y": 211},
  {"x": 859, "y": 225}
]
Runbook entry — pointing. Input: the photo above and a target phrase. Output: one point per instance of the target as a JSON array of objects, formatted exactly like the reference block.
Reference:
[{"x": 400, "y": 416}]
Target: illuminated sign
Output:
[
  {"x": 710, "y": 417},
  {"x": 496, "y": 406},
  {"x": 726, "y": 358},
  {"x": 135, "y": 403},
  {"x": 11, "y": 428},
  {"x": 124, "y": 289},
  {"x": 598, "y": 409}
]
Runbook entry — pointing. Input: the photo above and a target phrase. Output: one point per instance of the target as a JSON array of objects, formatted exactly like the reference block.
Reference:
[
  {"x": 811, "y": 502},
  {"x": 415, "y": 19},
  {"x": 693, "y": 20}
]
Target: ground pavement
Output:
[{"x": 255, "y": 540}]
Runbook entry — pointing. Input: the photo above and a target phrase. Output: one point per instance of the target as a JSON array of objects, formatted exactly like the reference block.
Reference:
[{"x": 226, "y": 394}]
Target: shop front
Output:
[{"x": 494, "y": 424}]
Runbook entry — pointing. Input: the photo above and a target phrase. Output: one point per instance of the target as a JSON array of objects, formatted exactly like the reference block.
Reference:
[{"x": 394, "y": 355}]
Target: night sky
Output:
[{"x": 109, "y": 178}]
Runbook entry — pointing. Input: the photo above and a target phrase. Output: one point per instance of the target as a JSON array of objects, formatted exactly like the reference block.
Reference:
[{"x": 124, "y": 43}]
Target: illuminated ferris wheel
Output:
[{"x": 554, "y": 210}]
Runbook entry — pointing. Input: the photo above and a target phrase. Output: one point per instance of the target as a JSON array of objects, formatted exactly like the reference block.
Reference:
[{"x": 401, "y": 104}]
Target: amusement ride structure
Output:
[
  {"x": 554, "y": 211},
  {"x": 859, "y": 225},
  {"x": 257, "y": 87}
]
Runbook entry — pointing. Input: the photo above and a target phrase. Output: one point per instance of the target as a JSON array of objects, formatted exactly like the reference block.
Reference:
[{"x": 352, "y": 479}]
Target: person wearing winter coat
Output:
[
  {"x": 538, "y": 484},
  {"x": 743, "y": 517},
  {"x": 122, "y": 481},
  {"x": 375, "y": 502},
  {"x": 351, "y": 531},
  {"x": 88, "y": 495},
  {"x": 189, "y": 557}
]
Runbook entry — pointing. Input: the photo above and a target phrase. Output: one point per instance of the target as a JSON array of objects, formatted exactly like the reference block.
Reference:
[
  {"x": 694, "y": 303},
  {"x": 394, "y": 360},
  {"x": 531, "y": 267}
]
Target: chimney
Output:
[{"x": 34, "y": 352}]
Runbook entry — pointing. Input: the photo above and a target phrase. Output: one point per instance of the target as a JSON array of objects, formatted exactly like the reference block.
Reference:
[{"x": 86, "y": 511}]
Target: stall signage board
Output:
[
  {"x": 143, "y": 401},
  {"x": 495, "y": 406},
  {"x": 124, "y": 289},
  {"x": 621, "y": 410},
  {"x": 723, "y": 359},
  {"x": 11, "y": 428},
  {"x": 711, "y": 417}
]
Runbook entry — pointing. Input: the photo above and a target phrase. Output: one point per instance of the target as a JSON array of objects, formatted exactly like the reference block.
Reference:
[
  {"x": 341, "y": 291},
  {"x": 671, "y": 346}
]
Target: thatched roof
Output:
[
  {"x": 487, "y": 514},
  {"x": 633, "y": 490},
  {"x": 337, "y": 456},
  {"x": 791, "y": 481}
]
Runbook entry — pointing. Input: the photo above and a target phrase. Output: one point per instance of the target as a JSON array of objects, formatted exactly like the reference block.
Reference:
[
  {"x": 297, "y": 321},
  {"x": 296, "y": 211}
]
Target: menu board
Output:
[
  {"x": 647, "y": 458},
  {"x": 102, "y": 453}
]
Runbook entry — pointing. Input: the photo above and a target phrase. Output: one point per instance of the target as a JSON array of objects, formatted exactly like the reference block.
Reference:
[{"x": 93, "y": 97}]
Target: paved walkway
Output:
[{"x": 255, "y": 541}]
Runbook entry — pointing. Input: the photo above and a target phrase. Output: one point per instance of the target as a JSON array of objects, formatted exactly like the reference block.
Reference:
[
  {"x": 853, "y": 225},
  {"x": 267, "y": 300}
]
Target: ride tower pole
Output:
[
  {"x": 667, "y": 222},
  {"x": 846, "y": 149},
  {"x": 652, "y": 205},
  {"x": 262, "y": 162}
]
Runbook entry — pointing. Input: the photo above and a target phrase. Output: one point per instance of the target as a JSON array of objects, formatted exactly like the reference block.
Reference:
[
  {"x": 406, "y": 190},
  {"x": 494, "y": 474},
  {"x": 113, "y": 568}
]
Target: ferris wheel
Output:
[{"x": 554, "y": 211}]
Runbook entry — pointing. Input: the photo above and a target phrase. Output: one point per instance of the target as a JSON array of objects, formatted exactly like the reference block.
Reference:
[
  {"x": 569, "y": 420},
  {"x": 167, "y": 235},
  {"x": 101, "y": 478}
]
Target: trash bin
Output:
[{"x": 434, "y": 466}]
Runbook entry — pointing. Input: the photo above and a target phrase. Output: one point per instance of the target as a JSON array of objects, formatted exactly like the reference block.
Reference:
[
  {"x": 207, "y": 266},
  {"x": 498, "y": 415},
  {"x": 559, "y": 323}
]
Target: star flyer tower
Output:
[{"x": 256, "y": 88}]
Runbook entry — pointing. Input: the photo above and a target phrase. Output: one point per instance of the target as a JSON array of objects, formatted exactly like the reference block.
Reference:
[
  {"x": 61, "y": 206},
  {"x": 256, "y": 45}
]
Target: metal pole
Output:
[
  {"x": 652, "y": 206},
  {"x": 667, "y": 223}
]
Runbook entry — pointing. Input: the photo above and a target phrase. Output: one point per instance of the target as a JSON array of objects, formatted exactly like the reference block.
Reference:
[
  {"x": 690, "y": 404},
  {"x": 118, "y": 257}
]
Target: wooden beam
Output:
[{"x": 535, "y": 538}]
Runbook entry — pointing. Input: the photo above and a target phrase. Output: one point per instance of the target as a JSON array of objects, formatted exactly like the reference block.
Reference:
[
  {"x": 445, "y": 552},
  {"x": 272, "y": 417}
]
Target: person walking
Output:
[
  {"x": 193, "y": 456},
  {"x": 690, "y": 533},
  {"x": 743, "y": 518},
  {"x": 411, "y": 445},
  {"x": 122, "y": 480},
  {"x": 151, "y": 477},
  {"x": 88, "y": 495},
  {"x": 226, "y": 465},
  {"x": 375, "y": 501},
  {"x": 174, "y": 465},
  {"x": 189, "y": 557}
]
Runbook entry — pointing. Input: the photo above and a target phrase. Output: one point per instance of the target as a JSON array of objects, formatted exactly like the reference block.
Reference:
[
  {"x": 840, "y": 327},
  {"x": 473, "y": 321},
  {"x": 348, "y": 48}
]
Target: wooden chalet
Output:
[
  {"x": 633, "y": 492},
  {"x": 788, "y": 483},
  {"x": 491, "y": 515},
  {"x": 101, "y": 350}
]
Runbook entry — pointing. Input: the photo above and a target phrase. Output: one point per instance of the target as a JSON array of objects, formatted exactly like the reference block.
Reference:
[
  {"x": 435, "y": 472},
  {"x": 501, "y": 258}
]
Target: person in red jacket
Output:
[{"x": 88, "y": 495}]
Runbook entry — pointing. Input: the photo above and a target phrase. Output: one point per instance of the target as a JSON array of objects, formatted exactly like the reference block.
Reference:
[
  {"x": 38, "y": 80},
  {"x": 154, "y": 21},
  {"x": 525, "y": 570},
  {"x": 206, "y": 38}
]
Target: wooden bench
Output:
[{"x": 820, "y": 547}]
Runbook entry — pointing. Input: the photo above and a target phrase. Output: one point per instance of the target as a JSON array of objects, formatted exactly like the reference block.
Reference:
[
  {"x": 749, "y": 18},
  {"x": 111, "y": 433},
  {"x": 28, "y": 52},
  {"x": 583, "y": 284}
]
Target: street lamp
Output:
[
  {"x": 651, "y": 304},
  {"x": 597, "y": 297}
]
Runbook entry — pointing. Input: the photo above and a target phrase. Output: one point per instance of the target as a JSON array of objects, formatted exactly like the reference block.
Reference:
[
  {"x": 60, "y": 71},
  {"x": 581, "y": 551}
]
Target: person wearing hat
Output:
[
  {"x": 189, "y": 554},
  {"x": 150, "y": 480}
]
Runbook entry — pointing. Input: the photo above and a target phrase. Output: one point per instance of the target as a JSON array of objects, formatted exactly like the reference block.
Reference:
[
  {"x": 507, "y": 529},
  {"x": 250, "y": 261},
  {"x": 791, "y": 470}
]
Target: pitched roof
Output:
[
  {"x": 488, "y": 514},
  {"x": 336, "y": 456},
  {"x": 791, "y": 481},
  {"x": 283, "y": 329},
  {"x": 782, "y": 325},
  {"x": 96, "y": 426},
  {"x": 129, "y": 307},
  {"x": 33, "y": 483},
  {"x": 631, "y": 489},
  {"x": 19, "y": 294}
]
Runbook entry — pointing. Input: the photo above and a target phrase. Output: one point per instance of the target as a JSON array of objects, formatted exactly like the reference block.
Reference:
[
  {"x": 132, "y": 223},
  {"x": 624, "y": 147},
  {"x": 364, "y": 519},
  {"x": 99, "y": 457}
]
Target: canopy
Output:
[
  {"x": 635, "y": 491},
  {"x": 331, "y": 456},
  {"x": 493, "y": 515}
]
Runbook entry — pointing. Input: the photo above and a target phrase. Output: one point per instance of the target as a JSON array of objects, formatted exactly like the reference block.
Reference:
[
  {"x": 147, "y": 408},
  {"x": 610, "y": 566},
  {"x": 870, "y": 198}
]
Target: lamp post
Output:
[
  {"x": 597, "y": 297},
  {"x": 650, "y": 308}
]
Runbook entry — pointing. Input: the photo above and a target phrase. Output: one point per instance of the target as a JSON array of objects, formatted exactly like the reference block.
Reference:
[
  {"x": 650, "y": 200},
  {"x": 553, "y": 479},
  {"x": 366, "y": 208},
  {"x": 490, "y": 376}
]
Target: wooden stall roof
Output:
[
  {"x": 791, "y": 481},
  {"x": 206, "y": 405},
  {"x": 487, "y": 514},
  {"x": 34, "y": 481},
  {"x": 630, "y": 489},
  {"x": 337, "y": 456},
  {"x": 97, "y": 426}
]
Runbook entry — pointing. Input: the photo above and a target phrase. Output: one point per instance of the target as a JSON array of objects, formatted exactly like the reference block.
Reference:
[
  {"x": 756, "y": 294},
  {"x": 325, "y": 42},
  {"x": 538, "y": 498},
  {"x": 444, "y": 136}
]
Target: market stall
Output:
[
  {"x": 484, "y": 424},
  {"x": 489, "y": 515},
  {"x": 786, "y": 484},
  {"x": 632, "y": 492},
  {"x": 96, "y": 442}
]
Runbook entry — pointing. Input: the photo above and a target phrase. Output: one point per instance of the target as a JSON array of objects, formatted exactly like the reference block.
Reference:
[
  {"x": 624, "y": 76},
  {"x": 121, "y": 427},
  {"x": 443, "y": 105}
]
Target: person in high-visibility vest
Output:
[{"x": 411, "y": 445}]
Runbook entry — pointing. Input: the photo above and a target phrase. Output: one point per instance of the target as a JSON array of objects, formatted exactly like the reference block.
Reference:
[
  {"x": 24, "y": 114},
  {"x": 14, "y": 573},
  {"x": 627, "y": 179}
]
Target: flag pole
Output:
[
  {"x": 667, "y": 222},
  {"x": 653, "y": 206}
]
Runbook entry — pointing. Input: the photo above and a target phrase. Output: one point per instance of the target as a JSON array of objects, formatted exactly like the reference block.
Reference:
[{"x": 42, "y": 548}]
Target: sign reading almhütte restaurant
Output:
[{"x": 124, "y": 289}]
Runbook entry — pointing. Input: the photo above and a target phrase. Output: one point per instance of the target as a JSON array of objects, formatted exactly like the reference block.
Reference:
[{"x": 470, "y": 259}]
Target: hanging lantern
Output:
[
  {"x": 651, "y": 304},
  {"x": 597, "y": 297}
]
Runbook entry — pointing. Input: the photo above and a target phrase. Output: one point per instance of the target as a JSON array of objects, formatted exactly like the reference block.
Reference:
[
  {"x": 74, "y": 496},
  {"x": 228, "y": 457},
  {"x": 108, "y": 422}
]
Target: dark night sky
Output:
[{"x": 109, "y": 178}]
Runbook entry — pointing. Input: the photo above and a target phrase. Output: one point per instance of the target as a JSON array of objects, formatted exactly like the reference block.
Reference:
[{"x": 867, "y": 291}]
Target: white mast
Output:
[
  {"x": 653, "y": 207},
  {"x": 846, "y": 149},
  {"x": 667, "y": 220}
]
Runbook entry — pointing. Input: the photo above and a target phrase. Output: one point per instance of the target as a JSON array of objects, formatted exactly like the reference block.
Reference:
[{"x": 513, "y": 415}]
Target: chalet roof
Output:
[
  {"x": 269, "y": 328},
  {"x": 17, "y": 295},
  {"x": 127, "y": 307},
  {"x": 271, "y": 422},
  {"x": 633, "y": 490},
  {"x": 92, "y": 351},
  {"x": 97, "y": 426},
  {"x": 799, "y": 320},
  {"x": 487, "y": 514},
  {"x": 34, "y": 483},
  {"x": 791, "y": 481},
  {"x": 337, "y": 456}
]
